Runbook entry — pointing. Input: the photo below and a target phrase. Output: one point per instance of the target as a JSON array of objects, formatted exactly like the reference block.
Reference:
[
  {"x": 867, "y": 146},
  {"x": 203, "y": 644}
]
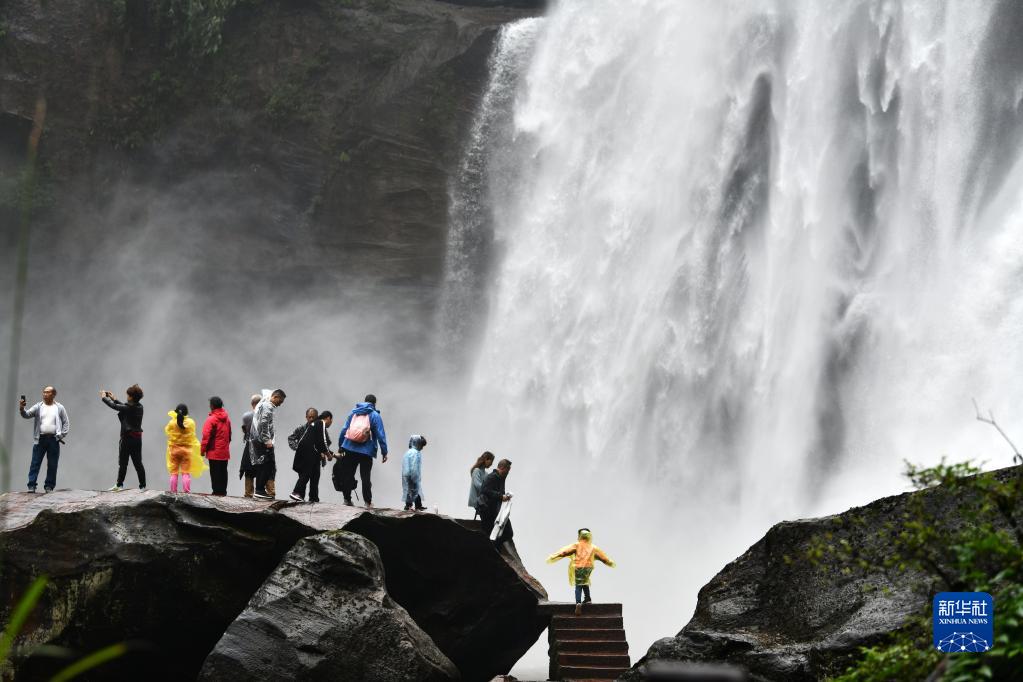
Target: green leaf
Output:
[
  {"x": 21, "y": 611},
  {"x": 91, "y": 661}
]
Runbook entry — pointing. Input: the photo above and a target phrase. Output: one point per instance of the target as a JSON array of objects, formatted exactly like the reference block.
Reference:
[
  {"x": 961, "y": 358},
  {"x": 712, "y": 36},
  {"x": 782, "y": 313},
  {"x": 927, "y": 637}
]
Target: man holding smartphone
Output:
[{"x": 50, "y": 428}]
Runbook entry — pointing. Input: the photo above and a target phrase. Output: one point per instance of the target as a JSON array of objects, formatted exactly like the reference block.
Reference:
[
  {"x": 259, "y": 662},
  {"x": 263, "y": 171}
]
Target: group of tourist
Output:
[
  {"x": 362, "y": 436},
  {"x": 191, "y": 453}
]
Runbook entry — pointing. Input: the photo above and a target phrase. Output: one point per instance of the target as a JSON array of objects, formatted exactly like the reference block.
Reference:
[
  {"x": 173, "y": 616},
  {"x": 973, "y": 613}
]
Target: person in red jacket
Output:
[{"x": 216, "y": 444}]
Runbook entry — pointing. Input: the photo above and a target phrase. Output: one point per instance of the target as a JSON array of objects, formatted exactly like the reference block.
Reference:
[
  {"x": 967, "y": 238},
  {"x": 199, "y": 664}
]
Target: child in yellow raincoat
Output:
[
  {"x": 184, "y": 458},
  {"x": 581, "y": 566}
]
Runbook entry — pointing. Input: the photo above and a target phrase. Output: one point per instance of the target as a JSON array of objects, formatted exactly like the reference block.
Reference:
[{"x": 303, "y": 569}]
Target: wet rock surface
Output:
[
  {"x": 169, "y": 574},
  {"x": 325, "y": 614},
  {"x": 783, "y": 616}
]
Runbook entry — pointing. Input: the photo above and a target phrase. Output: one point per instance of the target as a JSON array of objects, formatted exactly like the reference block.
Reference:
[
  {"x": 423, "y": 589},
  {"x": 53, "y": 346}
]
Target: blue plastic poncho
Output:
[{"x": 412, "y": 470}]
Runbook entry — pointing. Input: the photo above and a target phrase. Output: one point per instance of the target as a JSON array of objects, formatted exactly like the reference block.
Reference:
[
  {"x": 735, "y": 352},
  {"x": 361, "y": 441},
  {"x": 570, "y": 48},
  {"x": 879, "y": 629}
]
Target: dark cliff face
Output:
[
  {"x": 170, "y": 574},
  {"x": 302, "y": 148}
]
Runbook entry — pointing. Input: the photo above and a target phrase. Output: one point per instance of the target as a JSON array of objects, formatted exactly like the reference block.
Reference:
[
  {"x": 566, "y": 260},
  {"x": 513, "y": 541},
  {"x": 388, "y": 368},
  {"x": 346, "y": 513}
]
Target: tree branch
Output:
[{"x": 1017, "y": 457}]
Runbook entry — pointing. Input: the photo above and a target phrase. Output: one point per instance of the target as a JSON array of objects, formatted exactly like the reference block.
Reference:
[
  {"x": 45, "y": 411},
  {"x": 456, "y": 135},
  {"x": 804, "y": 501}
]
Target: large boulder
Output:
[
  {"x": 474, "y": 604},
  {"x": 153, "y": 568},
  {"x": 147, "y": 568},
  {"x": 796, "y": 606},
  {"x": 324, "y": 614}
]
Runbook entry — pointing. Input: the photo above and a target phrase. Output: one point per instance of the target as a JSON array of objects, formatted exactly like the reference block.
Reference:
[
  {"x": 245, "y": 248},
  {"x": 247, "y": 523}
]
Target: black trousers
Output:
[
  {"x": 267, "y": 470},
  {"x": 310, "y": 474},
  {"x": 218, "y": 476},
  {"x": 349, "y": 463},
  {"x": 488, "y": 515},
  {"x": 130, "y": 448}
]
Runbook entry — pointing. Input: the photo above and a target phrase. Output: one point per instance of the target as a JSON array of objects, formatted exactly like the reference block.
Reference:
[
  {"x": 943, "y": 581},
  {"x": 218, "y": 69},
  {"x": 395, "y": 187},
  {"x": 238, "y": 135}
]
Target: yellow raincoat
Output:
[
  {"x": 583, "y": 553},
  {"x": 183, "y": 450}
]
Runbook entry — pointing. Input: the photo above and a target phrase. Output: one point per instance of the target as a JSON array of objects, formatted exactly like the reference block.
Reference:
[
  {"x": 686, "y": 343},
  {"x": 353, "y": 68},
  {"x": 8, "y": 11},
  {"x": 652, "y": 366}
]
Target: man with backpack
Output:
[{"x": 362, "y": 432}]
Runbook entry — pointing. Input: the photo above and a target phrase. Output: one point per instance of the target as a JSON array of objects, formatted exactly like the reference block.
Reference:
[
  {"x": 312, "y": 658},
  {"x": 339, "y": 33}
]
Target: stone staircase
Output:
[{"x": 590, "y": 646}]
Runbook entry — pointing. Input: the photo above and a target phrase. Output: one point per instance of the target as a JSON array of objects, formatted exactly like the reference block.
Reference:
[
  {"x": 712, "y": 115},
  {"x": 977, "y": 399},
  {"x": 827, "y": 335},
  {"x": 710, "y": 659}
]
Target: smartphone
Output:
[{"x": 22, "y": 398}]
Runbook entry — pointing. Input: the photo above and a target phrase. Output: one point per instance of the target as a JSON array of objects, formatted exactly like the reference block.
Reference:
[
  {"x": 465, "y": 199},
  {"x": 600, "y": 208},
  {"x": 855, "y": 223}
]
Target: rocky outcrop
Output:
[
  {"x": 169, "y": 574},
  {"x": 795, "y": 606},
  {"x": 324, "y": 614},
  {"x": 436, "y": 593}
]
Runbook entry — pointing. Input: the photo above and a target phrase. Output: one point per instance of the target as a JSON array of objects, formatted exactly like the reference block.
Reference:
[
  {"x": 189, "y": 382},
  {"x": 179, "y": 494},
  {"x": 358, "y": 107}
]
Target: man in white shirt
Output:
[{"x": 50, "y": 427}]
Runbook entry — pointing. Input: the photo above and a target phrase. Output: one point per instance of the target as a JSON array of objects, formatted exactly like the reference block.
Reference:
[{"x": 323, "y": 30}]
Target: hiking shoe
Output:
[
  {"x": 296, "y": 497},
  {"x": 348, "y": 502},
  {"x": 142, "y": 488},
  {"x": 578, "y": 609},
  {"x": 31, "y": 490},
  {"x": 420, "y": 508},
  {"x": 47, "y": 490},
  {"x": 369, "y": 505},
  {"x": 408, "y": 507},
  {"x": 115, "y": 489},
  {"x": 263, "y": 496}
]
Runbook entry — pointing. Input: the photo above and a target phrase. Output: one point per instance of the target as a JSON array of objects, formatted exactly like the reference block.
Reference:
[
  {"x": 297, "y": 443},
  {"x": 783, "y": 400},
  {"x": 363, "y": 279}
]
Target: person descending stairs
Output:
[{"x": 587, "y": 641}]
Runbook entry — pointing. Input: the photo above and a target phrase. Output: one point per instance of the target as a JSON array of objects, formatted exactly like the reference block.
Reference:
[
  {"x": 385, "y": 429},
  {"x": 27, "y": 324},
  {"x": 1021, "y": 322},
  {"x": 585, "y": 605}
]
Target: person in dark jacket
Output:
[
  {"x": 362, "y": 433},
  {"x": 246, "y": 470},
  {"x": 312, "y": 453},
  {"x": 491, "y": 496},
  {"x": 216, "y": 444},
  {"x": 130, "y": 447}
]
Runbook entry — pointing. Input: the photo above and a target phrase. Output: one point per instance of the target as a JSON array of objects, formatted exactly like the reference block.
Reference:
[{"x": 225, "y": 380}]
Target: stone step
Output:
[
  {"x": 590, "y": 673},
  {"x": 592, "y": 635},
  {"x": 564, "y": 608},
  {"x": 570, "y": 646},
  {"x": 593, "y": 660},
  {"x": 586, "y": 622}
]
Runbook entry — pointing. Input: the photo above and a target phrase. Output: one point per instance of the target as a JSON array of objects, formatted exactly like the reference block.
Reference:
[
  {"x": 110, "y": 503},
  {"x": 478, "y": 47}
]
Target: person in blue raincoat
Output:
[{"x": 412, "y": 473}]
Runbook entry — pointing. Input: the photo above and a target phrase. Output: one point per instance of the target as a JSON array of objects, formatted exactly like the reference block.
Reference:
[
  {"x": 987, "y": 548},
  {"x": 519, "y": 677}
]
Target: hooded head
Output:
[
  {"x": 417, "y": 442},
  {"x": 585, "y": 534}
]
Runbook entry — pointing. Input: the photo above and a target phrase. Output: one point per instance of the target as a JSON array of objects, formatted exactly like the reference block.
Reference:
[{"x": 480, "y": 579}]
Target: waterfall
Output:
[
  {"x": 752, "y": 256},
  {"x": 478, "y": 191}
]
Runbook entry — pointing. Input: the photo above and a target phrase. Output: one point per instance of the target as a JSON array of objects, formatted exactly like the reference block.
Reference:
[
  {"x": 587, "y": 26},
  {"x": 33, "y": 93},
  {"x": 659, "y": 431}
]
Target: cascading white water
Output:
[{"x": 750, "y": 257}]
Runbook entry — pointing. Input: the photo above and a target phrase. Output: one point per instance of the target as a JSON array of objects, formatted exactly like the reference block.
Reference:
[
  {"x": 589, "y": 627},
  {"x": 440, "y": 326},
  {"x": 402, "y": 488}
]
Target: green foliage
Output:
[
  {"x": 192, "y": 29},
  {"x": 20, "y": 615},
  {"x": 93, "y": 660},
  {"x": 907, "y": 659},
  {"x": 982, "y": 553},
  {"x": 22, "y": 610},
  {"x": 287, "y": 103},
  {"x": 151, "y": 110},
  {"x": 295, "y": 99}
]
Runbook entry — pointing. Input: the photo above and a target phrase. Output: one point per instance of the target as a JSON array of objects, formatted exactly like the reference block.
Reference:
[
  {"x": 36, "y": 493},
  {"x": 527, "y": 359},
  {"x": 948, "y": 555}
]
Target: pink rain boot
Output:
[
  {"x": 186, "y": 481},
  {"x": 174, "y": 483}
]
